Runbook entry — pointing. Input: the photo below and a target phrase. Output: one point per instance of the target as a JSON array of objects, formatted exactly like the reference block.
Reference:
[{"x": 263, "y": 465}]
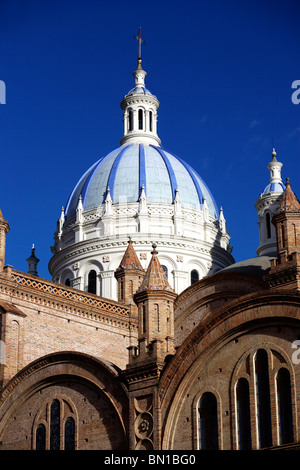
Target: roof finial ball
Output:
[{"x": 154, "y": 252}]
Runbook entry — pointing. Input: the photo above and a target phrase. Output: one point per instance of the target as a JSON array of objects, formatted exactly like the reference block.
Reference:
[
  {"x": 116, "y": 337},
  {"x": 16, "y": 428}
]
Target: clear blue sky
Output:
[{"x": 222, "y": 71}]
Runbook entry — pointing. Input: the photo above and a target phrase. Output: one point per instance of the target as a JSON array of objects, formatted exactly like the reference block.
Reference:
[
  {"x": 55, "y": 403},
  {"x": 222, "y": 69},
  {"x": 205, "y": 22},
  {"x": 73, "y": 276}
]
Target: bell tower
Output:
[
  {"x": 140, "y": 109},
  {"x": 285, "y": 269},
  {"x": 129, "y": 275},
  {"x": 266, "y": 205},
  {"x": 155, "y": 300}
]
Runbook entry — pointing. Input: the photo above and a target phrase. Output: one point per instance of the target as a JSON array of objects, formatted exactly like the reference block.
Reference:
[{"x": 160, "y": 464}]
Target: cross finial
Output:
[{"x": 140, "y": 41}]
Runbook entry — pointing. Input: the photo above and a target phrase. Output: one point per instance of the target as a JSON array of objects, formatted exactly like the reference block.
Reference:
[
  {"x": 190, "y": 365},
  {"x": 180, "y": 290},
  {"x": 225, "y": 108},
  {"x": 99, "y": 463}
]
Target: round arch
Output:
[
  {"x": 92, "y": 385},
  {"x": 256, "y": 314}
]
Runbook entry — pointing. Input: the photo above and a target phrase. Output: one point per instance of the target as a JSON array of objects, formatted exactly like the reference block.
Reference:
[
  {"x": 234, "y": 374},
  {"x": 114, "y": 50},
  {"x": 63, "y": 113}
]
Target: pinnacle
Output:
[
  {"x": 155, "y": 278},
  {"x": 289, "y": 202},
  {"x": 3, "y": 221},
  {"x": 130, "y": 259}
]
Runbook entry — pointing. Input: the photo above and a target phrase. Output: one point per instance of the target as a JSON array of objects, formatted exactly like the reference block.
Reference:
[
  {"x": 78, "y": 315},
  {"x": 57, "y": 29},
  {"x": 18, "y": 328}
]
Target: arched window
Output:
[
  {"x": 295, "y": 233},
  {"x": 41, "y": 437},
  {"x": 268, "y": 225},
  {"x": 55, "y": 428},
  {"x": 165, "y": 270},
  {"x": 208, "y": 422},
  {"x": 122, "y": 288},
  {"x": 92, "y": 281},
  {"x": 130, "y": 121},
  {"x": 262, "y": 392},
  {"x": 156, "y": 315},
  {"x": 55, "y": 425},
  {"x": 243, "y": 414},
  {"x": 284, "y": 401},
  {"x": 144, "y": 326},
  {"x": 194, "y": 276},
  {"x": 141, "y": 119},
  {"x": 67, "y": 282},
  {"x": 70, "y": 434},
  {"x": 282, "y": 236}
]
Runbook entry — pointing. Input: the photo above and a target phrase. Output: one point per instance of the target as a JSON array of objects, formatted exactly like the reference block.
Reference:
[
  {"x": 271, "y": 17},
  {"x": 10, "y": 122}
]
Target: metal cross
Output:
[{"x": 140, "y": 41}]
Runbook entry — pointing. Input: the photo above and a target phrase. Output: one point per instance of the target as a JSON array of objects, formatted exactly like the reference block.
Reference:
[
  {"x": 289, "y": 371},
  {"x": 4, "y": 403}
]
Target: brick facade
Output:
[{"x": 90, "y": 373}]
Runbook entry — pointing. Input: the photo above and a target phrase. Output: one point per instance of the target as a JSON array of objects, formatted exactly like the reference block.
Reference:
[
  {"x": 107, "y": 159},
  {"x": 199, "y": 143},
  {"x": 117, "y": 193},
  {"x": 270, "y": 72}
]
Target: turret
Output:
[
  {"x": 32, "y": 262},
  {"x": 129, "y": 275},
  {"x": 285, "y": 269},
  {"x": 155, "y": 300},
  {"x": 140, "y": 110},
  {"x": 4, "y": 229},
  {"x": 267, "y": 204}
]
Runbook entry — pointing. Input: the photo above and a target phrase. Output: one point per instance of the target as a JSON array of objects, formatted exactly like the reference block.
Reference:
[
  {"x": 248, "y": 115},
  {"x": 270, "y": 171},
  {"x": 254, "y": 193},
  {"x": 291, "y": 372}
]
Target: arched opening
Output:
[
  {"x": 284, "y": 400},
  {"x": 243, "y": 414},
  {"x": 40, "y": 437},
  {"x": 144, "y": 325},
  {"x": 70, "y": 434},
  {"x": 156, "y": 316},
  {"x": 130, "y": 120},
  {"x": 151, "y": 121},
  {"x": 262, "y": 392},
  {"x": 165, "y": 270},
  {"x": 55, "y": 425},
  {"x": 282, "y": 236},
  {"x": 208, "y": 422},
  {"x": 194, "y": 276},
  {"x": 268, "y": 225},
  {"x": 92, "y": 284},
  {"x": 141, "y": 119}
]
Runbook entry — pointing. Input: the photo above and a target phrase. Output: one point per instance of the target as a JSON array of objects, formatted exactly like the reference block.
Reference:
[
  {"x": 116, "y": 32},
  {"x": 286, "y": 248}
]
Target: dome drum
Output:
[{"x": 143, "y": 191}]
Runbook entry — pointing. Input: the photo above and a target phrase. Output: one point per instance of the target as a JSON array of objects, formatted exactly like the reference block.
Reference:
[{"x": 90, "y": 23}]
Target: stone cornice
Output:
[
  {"x": 23, "y": 287},
  {"x": 95, "y": 245}
]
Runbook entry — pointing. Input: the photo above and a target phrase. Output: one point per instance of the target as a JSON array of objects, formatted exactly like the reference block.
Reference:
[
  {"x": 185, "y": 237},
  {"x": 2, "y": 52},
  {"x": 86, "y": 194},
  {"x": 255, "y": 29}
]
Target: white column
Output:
[{"x": 109, "y": 287}]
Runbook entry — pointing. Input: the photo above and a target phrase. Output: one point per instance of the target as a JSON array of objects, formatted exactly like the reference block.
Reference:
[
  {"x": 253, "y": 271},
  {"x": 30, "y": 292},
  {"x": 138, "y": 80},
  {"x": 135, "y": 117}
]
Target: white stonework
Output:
[{"x": 189, "y": 234}]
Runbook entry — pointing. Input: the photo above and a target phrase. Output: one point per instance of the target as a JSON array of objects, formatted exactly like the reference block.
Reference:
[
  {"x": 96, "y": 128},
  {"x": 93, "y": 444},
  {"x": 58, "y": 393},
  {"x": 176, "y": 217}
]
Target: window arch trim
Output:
[
  {"x": 244, "y": 367},
  {"x": 67, "y": 410},
  {"x": 195, "y": 405}
]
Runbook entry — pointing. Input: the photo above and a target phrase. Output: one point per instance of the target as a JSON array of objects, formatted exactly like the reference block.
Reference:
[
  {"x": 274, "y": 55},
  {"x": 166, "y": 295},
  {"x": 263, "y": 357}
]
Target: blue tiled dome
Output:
[
  {"x": 274, "y": 187},
  {"x": 129, "y": 168}
]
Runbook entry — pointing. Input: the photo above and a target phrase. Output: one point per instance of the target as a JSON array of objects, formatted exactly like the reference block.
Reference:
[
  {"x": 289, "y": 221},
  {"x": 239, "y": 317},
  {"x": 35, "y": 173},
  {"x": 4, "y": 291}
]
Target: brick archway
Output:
[
  {"x": 208, "y": 357},
  {"x": 99, "y": 402}
]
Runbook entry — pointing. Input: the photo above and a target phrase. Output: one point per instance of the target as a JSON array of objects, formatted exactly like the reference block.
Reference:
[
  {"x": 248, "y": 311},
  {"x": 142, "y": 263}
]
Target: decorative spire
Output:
[
  {"x": 108, "y": 203},
  {"x": 130, "y": 259},
  {"x": 61, "y": 219},
  {"x": 177, "y": 203},
  {"x": 4, "y": 229},
  {"x": 155, "y": 278},
  {"x": 275, "y": 169},
  {"x": 289, "y": 202},
  {"x": 32, "y": 262},
  {"x": 79, "y": 210},
  {"x": 222, "y": 221},
  {"x": 143, "y": 202}
]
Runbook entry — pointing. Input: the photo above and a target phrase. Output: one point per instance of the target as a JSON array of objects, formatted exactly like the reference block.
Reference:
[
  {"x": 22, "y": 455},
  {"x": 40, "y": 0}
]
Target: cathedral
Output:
[{"x": 149, "y": 335}]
